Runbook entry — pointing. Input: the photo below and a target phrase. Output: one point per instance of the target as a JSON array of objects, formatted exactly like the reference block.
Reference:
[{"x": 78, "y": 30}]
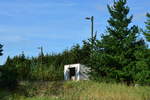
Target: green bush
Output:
[
  {"x": 46, "y": 73},
  {"x": 8, "y": 78}
]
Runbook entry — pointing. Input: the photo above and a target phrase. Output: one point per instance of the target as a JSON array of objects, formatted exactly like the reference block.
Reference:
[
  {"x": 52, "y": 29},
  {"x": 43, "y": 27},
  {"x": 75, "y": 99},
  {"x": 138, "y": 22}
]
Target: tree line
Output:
[{"x": 121, "y": 54}]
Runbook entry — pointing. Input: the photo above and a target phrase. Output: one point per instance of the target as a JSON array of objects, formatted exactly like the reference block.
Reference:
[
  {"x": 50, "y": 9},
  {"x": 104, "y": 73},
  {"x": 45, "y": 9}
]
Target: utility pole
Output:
[
  {"x": 92, "y": 35},
  {"x": 41, "y": 54},
  {"x": 92, "y": 26}
]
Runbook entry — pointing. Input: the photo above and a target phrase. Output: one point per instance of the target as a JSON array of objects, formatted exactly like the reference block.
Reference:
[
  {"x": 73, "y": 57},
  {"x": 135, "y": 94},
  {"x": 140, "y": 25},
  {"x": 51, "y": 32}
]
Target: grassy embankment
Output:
[{"x": 84, "y": 90}]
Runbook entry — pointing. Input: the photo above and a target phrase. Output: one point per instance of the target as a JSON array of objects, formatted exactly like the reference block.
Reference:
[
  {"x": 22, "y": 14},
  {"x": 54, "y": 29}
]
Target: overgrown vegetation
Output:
[
  {"x": 47, "y": 67},
  {"x": 83, "y": 90},
  {"x": 147, "y": 32},
  {"x": 120, "y": 56}
]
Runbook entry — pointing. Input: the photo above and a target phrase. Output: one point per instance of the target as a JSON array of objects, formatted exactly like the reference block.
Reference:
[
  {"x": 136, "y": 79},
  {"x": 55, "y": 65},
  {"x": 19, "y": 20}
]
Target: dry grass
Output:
[
  {"x": 89, "y": 90},
  {"x": 83, "y": 90}
]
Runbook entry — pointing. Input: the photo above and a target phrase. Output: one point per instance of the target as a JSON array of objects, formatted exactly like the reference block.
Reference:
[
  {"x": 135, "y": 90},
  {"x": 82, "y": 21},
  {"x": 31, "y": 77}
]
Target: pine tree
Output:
[
  {"x": 8, "y": 61},
  {"x": 114, "y": 55},
  {"x": 147, "y": 33},
  {"x": 146, "y": 73},
  {"x": 1, "y": 50}
]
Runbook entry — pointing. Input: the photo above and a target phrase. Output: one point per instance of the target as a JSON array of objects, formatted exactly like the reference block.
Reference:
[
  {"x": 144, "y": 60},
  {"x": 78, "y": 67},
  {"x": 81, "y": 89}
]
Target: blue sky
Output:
[{"x": 54, "y": 24}]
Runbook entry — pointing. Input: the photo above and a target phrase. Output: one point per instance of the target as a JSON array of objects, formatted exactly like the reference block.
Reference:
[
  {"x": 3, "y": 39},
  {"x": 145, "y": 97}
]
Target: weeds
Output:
[{"x": 83, "y": 90}]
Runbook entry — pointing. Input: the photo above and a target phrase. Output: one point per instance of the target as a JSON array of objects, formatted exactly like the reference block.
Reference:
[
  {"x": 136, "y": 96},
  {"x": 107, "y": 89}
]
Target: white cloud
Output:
[
  {"x": 11, "y": 38},
  {"x": 28, "y": 7},
  {"x": 28, "y": 33}
]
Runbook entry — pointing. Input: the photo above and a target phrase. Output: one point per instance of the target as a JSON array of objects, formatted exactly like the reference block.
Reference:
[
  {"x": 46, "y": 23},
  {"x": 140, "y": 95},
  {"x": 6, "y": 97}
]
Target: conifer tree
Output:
[
  {"x": 146, "y": 73},
  {"x": 147, "y": 33},
  {"x": 8, "y": 61},
  {"x": 114, "y": 55},
  {"x": 1, "y": 50}
]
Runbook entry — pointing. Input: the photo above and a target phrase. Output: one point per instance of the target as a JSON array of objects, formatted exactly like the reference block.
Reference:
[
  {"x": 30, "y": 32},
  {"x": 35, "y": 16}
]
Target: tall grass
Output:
[
  {"x": 46, "y": 73},
  {"x": 101, "y": 91},
  {"x": 83, "y": 90}
]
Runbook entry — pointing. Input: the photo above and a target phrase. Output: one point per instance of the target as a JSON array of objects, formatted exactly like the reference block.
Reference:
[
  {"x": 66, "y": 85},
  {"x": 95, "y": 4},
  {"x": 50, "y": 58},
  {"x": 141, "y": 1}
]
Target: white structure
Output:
[{"x": 76, "y": 72}]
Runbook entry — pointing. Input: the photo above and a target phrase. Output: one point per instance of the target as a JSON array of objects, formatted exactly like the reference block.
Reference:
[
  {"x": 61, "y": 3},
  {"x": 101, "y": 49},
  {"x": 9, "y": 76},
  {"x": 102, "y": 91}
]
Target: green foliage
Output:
[
  {"x": 8, "y": 78},
  {"x": 70, "y": 90},
  {"x": 47, "y": 67},
  {"x": 118, "y": 56},
  {"x": 147, "y": 32},
  {"x": 46, "y": 73},
  {"x": 8, "y": 75},
  {"x": 1, "y": 50}
]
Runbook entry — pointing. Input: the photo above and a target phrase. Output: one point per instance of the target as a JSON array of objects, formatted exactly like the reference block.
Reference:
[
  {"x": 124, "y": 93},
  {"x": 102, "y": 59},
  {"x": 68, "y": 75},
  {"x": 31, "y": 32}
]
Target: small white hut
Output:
[{"x": 76, "y": 72}]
